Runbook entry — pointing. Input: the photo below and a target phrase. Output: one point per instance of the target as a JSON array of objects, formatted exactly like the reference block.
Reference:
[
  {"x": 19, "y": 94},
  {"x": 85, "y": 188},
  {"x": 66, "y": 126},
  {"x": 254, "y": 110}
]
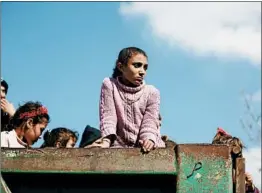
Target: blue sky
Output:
[{"x": 59, "y": 54}]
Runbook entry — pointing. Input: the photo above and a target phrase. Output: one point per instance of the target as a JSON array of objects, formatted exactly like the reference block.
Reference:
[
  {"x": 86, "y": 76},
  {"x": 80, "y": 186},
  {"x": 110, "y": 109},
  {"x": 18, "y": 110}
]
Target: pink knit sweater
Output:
[{"x": 130, "y": 113}]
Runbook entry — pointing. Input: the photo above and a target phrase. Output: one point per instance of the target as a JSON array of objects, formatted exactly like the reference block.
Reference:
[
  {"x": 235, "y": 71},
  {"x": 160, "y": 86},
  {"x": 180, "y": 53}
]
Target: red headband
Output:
[
  {"x": 222, "y": 131},
  {"x": 40, "y": 111}
]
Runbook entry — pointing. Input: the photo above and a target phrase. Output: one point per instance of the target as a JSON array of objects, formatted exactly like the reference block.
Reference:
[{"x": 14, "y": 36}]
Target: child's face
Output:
[
  {"x": 135, "y": 70},
  {"x": 71, "y": 143},
  {"x": 3, "y": 92},
  {"x": 34, "y": 132}
]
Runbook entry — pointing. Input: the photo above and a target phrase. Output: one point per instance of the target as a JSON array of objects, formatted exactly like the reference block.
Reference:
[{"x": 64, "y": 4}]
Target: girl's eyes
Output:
[{"x": 139, "y": 64}]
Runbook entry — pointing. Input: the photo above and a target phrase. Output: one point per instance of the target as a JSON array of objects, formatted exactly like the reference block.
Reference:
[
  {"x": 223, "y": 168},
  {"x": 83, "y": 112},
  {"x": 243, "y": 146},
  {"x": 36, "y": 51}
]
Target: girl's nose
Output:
[{"x": 142, "y": 72}]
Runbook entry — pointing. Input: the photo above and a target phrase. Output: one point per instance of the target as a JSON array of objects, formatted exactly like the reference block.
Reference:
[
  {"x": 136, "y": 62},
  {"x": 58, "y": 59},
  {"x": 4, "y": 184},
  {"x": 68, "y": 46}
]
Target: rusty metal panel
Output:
[
  {"x": 240, "y": 175},
  {"x": 191, "y": 168},
  {"x": 94, "y": 160},
  {"x": 204, "y": 168}
]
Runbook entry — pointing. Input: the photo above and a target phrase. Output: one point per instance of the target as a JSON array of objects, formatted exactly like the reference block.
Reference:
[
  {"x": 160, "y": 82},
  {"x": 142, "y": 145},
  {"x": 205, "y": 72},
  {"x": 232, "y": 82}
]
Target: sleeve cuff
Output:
[{"x": 149, "y": 136}]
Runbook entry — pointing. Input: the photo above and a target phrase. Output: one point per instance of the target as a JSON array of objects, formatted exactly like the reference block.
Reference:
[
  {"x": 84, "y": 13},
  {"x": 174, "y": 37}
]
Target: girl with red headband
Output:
[{"x": 27, "y": 125}]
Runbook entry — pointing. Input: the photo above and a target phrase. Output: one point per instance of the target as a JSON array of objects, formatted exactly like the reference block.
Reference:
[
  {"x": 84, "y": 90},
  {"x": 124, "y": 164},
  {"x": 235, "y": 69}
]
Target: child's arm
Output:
[
  {"x": 149, "y": 127},
  {"x": 107, "y": 111}
]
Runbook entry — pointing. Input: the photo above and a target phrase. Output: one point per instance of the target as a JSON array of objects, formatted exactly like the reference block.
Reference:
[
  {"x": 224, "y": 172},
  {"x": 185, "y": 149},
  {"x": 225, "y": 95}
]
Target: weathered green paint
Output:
[{"x": 215, "y": 174}]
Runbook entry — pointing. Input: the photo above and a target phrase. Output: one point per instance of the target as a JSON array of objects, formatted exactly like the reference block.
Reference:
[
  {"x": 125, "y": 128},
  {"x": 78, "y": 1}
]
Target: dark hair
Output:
[
  {"x": 34, "y": 110},
  {"x": 234, "y": 143},
  {"x": 60, "y": 134},
  {"x": 123, "y": 57},
  {"x": 4, "y": 84},
  {"x": 89, "y": 136}
]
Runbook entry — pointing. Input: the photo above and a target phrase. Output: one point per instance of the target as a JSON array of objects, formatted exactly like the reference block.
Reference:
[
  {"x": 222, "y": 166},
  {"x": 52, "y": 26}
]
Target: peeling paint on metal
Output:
[
  {"x": 199, "y": 168},
  {"x": 215, "y": 175},
  {"x": 93, "y": 160}
]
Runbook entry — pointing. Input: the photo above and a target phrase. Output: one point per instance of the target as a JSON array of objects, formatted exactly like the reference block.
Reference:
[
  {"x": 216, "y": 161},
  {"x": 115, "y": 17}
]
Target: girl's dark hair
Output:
[
  {"x": 33, "y": 110},
  {"x": 5, "y": 85},
  {"x": 59, "y": 134},
  {"x": 123, "y": 57}
]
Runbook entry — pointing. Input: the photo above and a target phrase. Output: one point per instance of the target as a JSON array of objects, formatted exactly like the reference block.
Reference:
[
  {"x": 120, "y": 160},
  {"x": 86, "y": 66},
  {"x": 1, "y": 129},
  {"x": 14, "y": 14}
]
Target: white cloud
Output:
[
  {"x": 253, "y": 164},
  {"x": 224, "y": 29},
  {"x": 256, "y": 96}
]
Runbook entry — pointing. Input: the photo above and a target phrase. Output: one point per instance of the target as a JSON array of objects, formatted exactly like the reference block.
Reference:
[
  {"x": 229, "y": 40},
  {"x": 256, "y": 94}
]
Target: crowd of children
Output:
[{"x": 128, "y": 111}]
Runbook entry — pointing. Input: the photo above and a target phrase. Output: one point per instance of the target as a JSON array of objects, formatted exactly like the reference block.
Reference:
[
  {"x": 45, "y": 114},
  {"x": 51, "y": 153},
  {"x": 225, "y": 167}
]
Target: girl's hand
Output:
[
  {"x": 7, "y": 107},
  {"x": 102, "y": 142},
  {"x": 147, "y": 145}
]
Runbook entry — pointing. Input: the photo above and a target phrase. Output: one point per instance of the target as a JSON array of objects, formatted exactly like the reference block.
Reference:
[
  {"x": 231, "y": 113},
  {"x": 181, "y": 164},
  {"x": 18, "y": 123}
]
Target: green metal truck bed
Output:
[{"x": 183, "y": 168}]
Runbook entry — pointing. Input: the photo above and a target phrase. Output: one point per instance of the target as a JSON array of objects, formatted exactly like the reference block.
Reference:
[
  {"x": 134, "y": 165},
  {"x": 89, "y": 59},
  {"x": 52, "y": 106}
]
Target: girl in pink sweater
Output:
[{"x": 129, "y": 108}]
